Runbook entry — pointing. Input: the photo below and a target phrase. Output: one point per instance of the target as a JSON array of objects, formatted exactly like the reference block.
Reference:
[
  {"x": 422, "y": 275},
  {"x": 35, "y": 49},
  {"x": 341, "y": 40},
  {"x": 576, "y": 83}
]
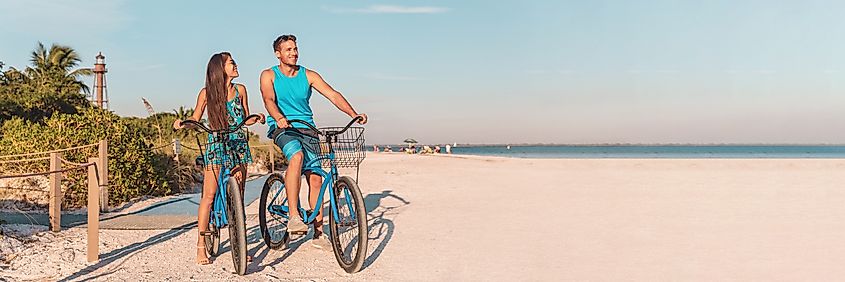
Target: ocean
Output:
[{"x": 658, "y": 151}]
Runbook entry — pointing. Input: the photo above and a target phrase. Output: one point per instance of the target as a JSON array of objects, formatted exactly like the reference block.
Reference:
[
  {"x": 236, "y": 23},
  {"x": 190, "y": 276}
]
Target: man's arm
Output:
[
  {"x": 269, "y": 96},
  {"x": 335, "y": 97}
]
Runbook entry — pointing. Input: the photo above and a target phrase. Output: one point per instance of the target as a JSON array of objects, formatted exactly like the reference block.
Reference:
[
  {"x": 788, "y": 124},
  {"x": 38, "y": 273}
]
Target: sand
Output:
[{"x": 487, "y": 218}]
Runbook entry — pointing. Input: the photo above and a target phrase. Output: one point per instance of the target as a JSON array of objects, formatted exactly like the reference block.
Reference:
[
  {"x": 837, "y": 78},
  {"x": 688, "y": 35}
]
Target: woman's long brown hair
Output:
[{"x": 216, "y": 91}]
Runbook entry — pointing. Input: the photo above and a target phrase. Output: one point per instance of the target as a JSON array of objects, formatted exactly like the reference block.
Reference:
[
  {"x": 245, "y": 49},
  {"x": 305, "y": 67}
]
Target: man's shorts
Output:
[{"x": 293, "y": 140}]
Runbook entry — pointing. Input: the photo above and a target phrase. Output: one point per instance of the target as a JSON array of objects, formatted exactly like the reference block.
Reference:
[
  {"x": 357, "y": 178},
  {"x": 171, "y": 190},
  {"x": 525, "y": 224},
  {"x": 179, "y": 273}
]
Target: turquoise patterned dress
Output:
[{"x": 214, "y": 153}]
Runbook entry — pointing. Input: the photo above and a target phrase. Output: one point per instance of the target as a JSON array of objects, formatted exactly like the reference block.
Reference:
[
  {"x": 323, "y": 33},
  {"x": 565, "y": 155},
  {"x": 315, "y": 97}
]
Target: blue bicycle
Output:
[
  {"x": 228, "y": 207},
  {"x": 338, "y": 147}
]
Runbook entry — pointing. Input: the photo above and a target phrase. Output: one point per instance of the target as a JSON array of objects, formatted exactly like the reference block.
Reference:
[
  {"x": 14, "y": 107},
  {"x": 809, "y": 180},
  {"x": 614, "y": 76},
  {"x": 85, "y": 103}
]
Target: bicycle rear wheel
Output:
[
  {"x": 237, "y": 227},
  {"x": 349, "y": 233},
  {"x": 271, "y": 217},
  {"x": 212, "y": 235}
]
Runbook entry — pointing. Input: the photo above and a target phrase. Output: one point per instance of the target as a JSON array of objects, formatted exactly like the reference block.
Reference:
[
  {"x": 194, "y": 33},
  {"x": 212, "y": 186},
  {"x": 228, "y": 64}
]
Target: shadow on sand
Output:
[
  {"x": 380, "y": 226},
  {"x": 123, "y": 254}
]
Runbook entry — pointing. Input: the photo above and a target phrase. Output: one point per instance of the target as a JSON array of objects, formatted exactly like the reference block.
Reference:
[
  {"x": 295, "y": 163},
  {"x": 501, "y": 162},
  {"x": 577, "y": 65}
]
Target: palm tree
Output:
[
  {"x": 53, "y": 70},
  {"x": 183, "y": 113}
]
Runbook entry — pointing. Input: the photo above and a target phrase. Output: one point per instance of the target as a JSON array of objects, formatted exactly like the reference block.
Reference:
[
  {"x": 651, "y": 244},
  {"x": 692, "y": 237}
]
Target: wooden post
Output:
[
  {"x": 177, "y": 149},
  {"x": 103, "y": 169},
  {"x": 55, "y": 202},
  {"x": 272, "y": 159},
  {"x": 93, "y": 213}
]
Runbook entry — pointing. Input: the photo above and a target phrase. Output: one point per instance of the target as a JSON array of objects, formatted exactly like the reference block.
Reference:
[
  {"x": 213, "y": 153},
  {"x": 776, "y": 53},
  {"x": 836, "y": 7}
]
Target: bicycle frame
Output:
[
  {"x": 328, "y": 185},
  {"x": 218, "y": 208}
]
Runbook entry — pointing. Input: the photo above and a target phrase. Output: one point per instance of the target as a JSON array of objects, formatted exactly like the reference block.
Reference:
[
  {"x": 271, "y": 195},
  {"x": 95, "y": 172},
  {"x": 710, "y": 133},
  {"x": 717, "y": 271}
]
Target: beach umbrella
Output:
[{"x": 410, "y": 141}]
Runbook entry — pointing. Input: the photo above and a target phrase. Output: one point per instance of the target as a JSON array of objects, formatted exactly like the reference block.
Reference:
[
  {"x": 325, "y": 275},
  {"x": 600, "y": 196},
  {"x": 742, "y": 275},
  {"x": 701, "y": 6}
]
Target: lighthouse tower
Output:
[{"x": 102, "y": 95}]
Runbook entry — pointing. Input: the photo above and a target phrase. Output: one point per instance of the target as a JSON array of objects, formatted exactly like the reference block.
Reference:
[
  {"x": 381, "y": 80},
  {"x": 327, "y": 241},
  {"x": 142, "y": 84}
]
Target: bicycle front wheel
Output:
[
  {"x": 237, "y": 227},
  {"x": 349, "y": 232},
  {"x": 212, "y": 240},
  {"x": 272, "y": 217}
]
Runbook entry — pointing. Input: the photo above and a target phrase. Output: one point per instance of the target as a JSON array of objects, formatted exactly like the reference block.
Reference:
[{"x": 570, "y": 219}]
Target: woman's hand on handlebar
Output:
[
  {"x": 260, "y": 118},
  {"x": 177, "y": 124}
]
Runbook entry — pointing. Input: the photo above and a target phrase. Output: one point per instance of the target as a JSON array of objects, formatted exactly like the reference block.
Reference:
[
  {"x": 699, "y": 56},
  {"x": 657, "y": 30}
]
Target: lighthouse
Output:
[{"x": 101, "y": 98}]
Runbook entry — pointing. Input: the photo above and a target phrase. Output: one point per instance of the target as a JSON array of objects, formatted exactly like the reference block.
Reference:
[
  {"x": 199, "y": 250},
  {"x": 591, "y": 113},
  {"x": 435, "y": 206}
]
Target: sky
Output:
[{"x": 573, "y": 72}]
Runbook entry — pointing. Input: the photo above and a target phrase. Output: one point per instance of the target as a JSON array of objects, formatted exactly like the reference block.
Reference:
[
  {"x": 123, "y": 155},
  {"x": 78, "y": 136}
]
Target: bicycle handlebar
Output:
[
  {"x": 357, "y": 118},
  {"x": 225, "y": 131}
]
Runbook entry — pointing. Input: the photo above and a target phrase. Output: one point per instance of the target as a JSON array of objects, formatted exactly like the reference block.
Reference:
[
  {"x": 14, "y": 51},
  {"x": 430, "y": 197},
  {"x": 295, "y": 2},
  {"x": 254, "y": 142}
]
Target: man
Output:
[{"x": 286, "y": 89}]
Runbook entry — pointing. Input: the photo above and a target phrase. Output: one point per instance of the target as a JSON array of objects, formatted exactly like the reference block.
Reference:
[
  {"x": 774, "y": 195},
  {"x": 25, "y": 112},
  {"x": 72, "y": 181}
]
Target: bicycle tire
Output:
[
  {"x": 237, "y": 227},
  {"x": 264, "y": 214},
  {"x": 355, "y": 261}
]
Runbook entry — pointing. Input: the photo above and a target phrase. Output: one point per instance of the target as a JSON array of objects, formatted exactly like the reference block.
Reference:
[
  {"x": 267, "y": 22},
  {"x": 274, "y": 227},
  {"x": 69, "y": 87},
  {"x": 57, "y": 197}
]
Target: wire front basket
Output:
[{"x": 348, "y": 147}]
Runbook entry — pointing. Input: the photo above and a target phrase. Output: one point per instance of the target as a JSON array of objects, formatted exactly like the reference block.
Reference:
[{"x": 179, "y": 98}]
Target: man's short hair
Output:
[{"x": 279, "y": 40}]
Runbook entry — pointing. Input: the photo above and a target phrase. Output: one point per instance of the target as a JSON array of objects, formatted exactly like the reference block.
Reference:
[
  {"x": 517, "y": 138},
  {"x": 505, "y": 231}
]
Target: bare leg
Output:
[
  {"x": 292, "y": 175},
  {"x": 315, "y": 181},
  {"x": 209, "y": 188}
]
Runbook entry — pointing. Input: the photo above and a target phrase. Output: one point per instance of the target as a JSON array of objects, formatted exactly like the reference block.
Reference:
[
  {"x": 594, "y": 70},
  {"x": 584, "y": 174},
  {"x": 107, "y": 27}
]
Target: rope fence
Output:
[
  {"x": 46, "y": 172},
  {"x": 24, "y": 160},
  {"x": 72, "y": 163},
  {"x": 48, "y": 152},
  {"x": 162, "y": 146},
  {"x": 25, "y": 189},
  {"x": 97, "y": 187},
  {"x": 189, "y": 147}
]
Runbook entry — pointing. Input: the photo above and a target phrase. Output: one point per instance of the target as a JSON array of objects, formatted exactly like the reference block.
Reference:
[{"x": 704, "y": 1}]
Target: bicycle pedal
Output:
[{"x": 299, "y": 233}]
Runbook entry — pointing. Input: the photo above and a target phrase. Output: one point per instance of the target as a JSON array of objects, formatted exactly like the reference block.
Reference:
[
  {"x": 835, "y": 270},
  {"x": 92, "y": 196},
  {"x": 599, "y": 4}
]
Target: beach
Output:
[{"x": 450, "y": 217}]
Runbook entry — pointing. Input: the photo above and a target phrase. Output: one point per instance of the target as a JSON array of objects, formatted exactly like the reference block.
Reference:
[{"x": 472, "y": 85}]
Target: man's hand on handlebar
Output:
[
  {"x": 363, "y": 119},
  {"x": 282, "y": 123}
]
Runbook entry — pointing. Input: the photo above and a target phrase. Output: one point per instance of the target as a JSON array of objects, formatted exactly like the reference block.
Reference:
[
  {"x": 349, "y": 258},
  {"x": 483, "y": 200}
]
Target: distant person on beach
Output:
[
  {"x": 227, "y": 106},
  {"x": 375, "y": 148},
  {"x": 286, "y": 89},
  {"x": 448, "y": 149}
]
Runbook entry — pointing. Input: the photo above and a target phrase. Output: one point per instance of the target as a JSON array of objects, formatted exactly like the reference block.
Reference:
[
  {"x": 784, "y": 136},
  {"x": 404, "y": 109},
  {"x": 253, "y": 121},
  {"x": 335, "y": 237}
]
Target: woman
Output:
[{"x": 227, "y": 106}]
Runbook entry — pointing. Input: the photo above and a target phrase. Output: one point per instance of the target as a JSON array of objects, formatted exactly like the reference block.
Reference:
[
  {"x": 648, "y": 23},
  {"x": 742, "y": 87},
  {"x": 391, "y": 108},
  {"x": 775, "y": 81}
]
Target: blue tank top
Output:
[{"x": 292, "y": 96}]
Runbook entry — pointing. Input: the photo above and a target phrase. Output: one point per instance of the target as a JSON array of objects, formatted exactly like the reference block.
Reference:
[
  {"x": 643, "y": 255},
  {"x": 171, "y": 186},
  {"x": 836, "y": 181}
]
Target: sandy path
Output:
[{"x": 484, "y": 218}]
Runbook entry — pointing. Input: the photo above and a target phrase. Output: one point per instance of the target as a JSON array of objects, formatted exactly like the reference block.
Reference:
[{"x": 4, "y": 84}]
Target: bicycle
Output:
[
  {"x": 228, "y": 201},
  {"x": 338, "y": 148}
]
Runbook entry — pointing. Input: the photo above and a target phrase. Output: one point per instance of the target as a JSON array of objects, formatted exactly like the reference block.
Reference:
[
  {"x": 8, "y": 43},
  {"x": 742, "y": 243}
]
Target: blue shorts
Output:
[{"x": 295, "y": 140}]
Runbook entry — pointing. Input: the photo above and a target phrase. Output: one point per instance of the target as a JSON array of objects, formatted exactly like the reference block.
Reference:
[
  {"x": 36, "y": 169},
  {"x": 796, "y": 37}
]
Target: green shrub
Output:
[{"x": 134, "y": 169}]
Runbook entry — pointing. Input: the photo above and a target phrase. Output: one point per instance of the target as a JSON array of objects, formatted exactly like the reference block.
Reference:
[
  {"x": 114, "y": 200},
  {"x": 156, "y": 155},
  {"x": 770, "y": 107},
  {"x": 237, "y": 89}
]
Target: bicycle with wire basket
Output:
[
  {"x": 227, "y": 211},
  {"x": 338, "y": 147}
]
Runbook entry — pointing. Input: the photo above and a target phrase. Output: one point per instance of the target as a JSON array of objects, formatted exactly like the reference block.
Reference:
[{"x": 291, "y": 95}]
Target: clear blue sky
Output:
[{"x": 485, "y": 71}]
